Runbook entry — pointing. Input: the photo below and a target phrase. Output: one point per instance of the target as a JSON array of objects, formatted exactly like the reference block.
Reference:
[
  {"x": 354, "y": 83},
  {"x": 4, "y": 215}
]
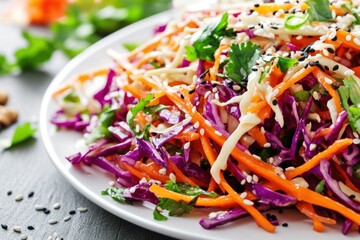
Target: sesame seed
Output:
[
  {"x": 30, "y": 228},
  {"x": 357, "y": 41},
  {"x": 17, "y": 229},
  {"x": 285, "y": 225},
  {"x": 56, "y": 205},
  {"x": 254, "y": 69},
  {"x": 281, "y": 210},
  {"x": 334, "y": 38},
  {"x": 271, "y": 160},
  {"x": 162, "y": 171},
  {"x": 39, "y": 207},
  {"x": 274, "y": 102},
  {"x": 328, "y": 81},
  {"x": 53, "y": 221},
  {"x": 197, "y": 125},
  {"x": 218, "y": 133},
  {"x": 236, "y": 87},
  {"x": 9, "y": 193},
  {"x": 276, "y": 91},
  {"x": 248, "y": 178},
  {"x": 257, "y": 5},
  {"x": 72, "y": 212},
  {"x": 193, "y": 109},
  {"x": 31, "y": 194},
  {"x": 243, "y": 182},
  {"x": 172, "y": 177},
  {"x": 348, "y": 72},
  {"x": 182, "y": 96},
  {"x": 352, "y": 196},
  {"x": 207, "y": 123},
  {"x": 67, "y": 218},
  {"x": 312, "y": 146},
  {"x": 325, "y": 52},
  {"x": 326, "y": 67},
  {"x": 111, "y": 183},
  {"x": 255, "y": 178},
  {"x": 356, "y": 141},
  {"x": 243, "y": 195},
  {"x": 348, "y": 37},
  {"x": 248, "y": 202},
  {"x": 202, "y": 132},
  {"x": 187, "y": 145},
  {"x": 267, "y": 145},
  {"x": 19, "y": 198},
  {"x": 336, "y": 67},
  {"x": 82, "y": 209},
  {"x": 207, "y": 94},
  {"x": 301, "y": 59},
  {"x": 23, "y": 237},
  {"x": 3, "y": 226},
  {"x": 331, "y": 50},
  {"x": 191, "y": 91}
]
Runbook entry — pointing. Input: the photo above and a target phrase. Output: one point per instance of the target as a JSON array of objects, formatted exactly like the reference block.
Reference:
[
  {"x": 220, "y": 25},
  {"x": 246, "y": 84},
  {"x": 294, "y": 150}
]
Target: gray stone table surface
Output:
[{"x": 27, "y": 169}]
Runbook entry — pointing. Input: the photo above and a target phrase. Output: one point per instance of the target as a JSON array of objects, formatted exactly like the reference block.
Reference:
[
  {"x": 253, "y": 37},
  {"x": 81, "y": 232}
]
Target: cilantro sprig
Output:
[
  {"x": 101, "y": 130},
  {"x": 242, "y": 58},
  {"x": 116, "y": 194},
  {"x": 187, "y": 189},
  {"x": 207, "y": 40},
  {"x": 319, "y": 10},
  {"x": 175, "y": 208},
  {"x": 286, "y": 63},
  {"x": 350, "y": 100},
  {"x": 21, "y": 134}
]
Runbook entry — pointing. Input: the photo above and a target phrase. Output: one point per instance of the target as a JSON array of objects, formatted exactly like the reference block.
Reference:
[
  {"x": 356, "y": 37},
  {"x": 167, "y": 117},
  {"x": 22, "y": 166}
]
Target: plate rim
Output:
[{"x": 97, "y": 199}]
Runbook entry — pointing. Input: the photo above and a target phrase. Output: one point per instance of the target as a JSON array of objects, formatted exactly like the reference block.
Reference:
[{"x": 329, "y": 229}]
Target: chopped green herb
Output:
[
  {"x": 350, "y": 92},
  {"x": 117, "y": 194},
  {"x": 286, "y": 63},
  {"x": 175, "y": 208},
  {"x": 242, "y": 58},
  {"x": 188, "y": 190},
  {"x": 130, "y": 46},
  {"x": 319, "y": 10},
  {"x": 72, "y": 97},
  {"x": 101, "y": 130},
  {"x": 320, "y": 187},
  {"x": 5, "y": 65},
  {"x": 21, "y": 134},
  {"x": 302, "y": 96},
  {"x": 207, "y": 40}
]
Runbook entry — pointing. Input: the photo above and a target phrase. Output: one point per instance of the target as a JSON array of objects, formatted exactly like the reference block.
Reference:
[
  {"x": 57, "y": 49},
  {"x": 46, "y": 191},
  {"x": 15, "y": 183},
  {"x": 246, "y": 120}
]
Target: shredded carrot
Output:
[
  {"x": 323, "y": 80},
  {"x": 152, "y": 170},
  {"x": 221, "y": 201},
  {"x": 179, "y": 175},
  {"x": 337, "y": 147},
  {"x": 187, "y": 136},
  {"x": 323, "y": 132},
  {"x": 258, "y": 135},
  {"x": 212, "y": 185},
  {"x": 356, "y": 71},
  {"x": 318, "y": 226},
  {"x": 294, "y": 79},
  {"x": 309, "y": 211},
  {"x": 134, "y": 91},
  {"x": 133, "y": 171},
  {"x": 345, "y": 178},
  {"x": 341, "y": 38}
]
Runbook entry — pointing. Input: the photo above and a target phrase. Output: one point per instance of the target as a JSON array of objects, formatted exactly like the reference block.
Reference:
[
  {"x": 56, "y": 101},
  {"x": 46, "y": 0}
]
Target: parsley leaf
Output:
[
  {"x": 207, "y": 40},
  {"x": 242, "y": 58},
  {"x": 5, "y": 66},
  {"x": 38, "y": 51},
  {"x": 117, "y": 194},
  {"x": 175, "y": 208},
  {"x": 72, "y": 97},
  {"x": 101, "y": 130},
  {"x": 130, "y": 46},
  {"x": 319, "y": 10},
  {"x": 350, "y": 92},
  {"x": 286, "y": 63},
  {"x": 137, "y": 108},
  {"x": 187, "y": 189},
  {"x": 21, "y": 134}
]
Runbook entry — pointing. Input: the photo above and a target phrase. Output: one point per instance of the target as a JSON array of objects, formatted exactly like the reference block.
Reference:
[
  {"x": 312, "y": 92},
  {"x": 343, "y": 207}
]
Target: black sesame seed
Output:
[
  {"x": 281, "y": 211},
  {"x": 306, "y": 65},
  {"x": 268, "y": 215},
  {"x": 274, "y": 27},
  {"x": 286, "y": 11},
  {"x": 72, "y": 212},
  {"x": 273, "y": 218},
  {"x": 46, "y": 211},
  {"x": 301, "y": 59},
  {"x": 254, "y": 69},
  {"x": 274, "y": 13},
  {"x": 311, "y": 50},
  {"x": 214, "y": 85},
  {"x": 336, "y": 67},
  {"x": 252, "y": 27},
  {"x": 30, "y": 228},
  {"x": 330, "y": 50},
  {"x": 191, "y": 91},
  {"x": 274, "y": 102},
  {"x": 326, "y": 67},
  {"x": 334, "y": 38},
  {"x": 251, "y": 11},
  {"x": 3, "y": 226},
  {"x": 285, "y": 225},
  {"x": 9, "y": 193},
  {"x": 312, "y": 64},
  {"x": 319, "y": 66},
  {"x": 352, "y": 196},
  {"x": 182, "y": 96},
  {"x": 31, "y": 194},
  {"x": 256, "y": 5}
]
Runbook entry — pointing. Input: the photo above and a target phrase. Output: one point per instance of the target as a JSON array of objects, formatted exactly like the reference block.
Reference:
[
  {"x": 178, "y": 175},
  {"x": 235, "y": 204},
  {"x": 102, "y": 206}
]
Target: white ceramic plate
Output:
[{"x": 91, "y": 181}]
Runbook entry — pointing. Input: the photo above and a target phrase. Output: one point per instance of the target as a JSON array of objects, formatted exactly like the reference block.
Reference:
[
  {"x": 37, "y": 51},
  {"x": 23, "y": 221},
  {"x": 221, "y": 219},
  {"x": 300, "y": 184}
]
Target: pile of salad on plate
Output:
[{"x": 237, "y": 108}]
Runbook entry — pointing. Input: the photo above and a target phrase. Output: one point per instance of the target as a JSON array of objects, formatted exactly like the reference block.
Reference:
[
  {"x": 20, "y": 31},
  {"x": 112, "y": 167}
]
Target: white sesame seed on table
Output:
[{"x": 27, "y": 168}]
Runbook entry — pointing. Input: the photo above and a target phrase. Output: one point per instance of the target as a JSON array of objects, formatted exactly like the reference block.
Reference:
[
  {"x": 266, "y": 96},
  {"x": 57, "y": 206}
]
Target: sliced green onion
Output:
[
  {"x": 320, "y": 187},
  {"x": 293, "y": 22}
]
